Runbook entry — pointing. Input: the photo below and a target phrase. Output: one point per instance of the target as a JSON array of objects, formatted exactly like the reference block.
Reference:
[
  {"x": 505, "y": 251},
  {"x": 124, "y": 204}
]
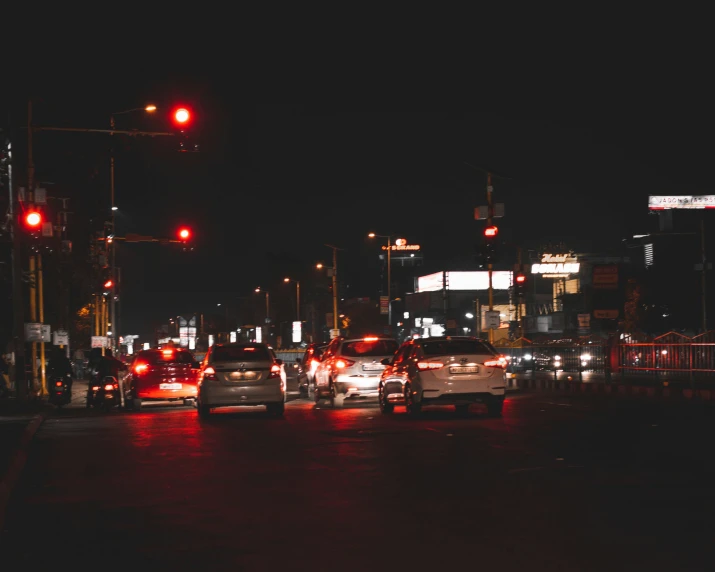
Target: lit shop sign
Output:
[
  {"x": 501, "y": 280},
  {"x": 556, "y": 266},
  {"x": 681, "y": 202},
  {"x": 401, "y": 244}
]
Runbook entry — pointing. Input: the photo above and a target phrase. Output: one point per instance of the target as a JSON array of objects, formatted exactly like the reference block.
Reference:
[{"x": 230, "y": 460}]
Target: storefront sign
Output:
[
  {"x": 657, "y": 203},
  {"x": 556, "y": 266},
  {"x": 605, "y": 277}
]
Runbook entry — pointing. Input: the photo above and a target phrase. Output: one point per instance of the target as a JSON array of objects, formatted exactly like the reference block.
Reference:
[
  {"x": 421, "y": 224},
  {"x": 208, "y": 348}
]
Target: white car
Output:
[
  {"x": 351, "y": 368},
  {"x": 450, "y": 370}
]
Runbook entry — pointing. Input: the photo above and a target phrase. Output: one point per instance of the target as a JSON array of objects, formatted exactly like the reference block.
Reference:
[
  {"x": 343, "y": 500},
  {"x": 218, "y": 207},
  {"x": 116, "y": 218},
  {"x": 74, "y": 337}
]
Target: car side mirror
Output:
[
  {"x": 386, "y": 361},
  {"x": 279, "y": 361}
]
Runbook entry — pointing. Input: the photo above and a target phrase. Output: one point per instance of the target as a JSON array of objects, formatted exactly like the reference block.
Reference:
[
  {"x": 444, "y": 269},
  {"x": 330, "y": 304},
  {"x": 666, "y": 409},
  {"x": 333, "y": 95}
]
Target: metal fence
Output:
[
  {"x": 673, "y": 354},
  {"x": 581, "y": 354}
]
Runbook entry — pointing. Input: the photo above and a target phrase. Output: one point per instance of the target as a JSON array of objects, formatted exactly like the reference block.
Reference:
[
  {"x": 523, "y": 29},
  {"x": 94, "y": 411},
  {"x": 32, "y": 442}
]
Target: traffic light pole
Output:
[
  {"x": 490, "y": 266},
  {"x": 18, "y": 308}
]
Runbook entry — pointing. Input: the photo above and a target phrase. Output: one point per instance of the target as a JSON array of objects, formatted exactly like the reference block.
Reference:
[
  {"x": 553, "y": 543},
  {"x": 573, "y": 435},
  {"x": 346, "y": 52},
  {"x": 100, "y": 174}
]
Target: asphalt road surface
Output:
[{"x": 559, "y": 483}]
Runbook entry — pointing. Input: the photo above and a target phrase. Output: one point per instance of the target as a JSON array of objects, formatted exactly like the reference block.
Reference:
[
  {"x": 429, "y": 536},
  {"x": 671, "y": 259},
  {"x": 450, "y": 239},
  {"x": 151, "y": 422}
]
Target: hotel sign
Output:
[
  {"x": 401, "y": 244},
  {"x": 556, "y": 266},
  {"x": 659, "y": 203}
]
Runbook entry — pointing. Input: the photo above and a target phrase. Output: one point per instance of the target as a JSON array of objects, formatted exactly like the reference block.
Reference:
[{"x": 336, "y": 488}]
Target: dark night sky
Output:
[{"x": 274, "y": 182}]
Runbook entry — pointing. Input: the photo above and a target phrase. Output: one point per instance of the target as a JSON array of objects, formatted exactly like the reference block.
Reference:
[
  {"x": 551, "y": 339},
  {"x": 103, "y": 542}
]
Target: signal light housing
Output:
[
  {"x": 33, "y": 220},
  {"x": 491, "y": 231},
  {"x": 184, "y": 234},
  {"x": 181, "y": 116}
]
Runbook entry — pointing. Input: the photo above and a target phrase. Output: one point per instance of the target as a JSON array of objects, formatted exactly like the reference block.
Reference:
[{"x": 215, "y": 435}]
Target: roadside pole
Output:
[{"x": 490, "y": 266}]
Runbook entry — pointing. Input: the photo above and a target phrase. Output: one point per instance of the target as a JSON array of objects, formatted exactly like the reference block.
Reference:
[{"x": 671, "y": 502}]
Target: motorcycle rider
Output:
[
  {"x": 60, "y": 366},
  {"x": 106, "y": 366}
]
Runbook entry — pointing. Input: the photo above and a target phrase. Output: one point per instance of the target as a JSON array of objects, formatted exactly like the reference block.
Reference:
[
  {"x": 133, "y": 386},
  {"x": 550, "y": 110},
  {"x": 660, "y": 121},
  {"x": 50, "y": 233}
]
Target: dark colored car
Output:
[{"x": 307, "y": 366}]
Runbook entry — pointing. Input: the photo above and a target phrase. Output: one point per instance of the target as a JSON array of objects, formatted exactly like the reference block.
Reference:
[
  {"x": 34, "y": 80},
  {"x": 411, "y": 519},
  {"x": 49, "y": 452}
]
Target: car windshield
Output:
[
  {"x": 455, "y": 347},
  {"x": 368, "y": 348},
  {"x": 166, "y": 357},
  {"x": 241, "y": 353}
]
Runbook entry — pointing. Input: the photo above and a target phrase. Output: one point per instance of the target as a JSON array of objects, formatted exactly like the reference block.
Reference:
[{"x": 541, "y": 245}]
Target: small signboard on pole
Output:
[
  {"x": 99, "y": 342},
  {"x": 492, "y": 319},
  {"x": 60, "y": 338}
]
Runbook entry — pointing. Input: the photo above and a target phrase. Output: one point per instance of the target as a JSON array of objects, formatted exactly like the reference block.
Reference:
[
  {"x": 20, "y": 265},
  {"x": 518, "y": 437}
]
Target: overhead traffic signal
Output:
[
  {"x": 108, "y": 284},
  {"x": 181, "y": 116},
  {"x": 520, "y": 284},
  {"x": 184, "y": 234},
  {"x": 33, "y": 221},
  {"x": 490, "y": 246}
]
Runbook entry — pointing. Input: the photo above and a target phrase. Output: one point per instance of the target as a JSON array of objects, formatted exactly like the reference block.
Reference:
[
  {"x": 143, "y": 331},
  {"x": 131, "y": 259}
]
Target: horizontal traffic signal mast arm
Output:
[
  {"x": 138, "y": 238},
  {"x": 110, "y": 131}
]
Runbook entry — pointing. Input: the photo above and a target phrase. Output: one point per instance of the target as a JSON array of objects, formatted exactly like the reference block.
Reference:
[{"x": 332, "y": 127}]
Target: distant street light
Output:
[{"x": 297, "y": 296}]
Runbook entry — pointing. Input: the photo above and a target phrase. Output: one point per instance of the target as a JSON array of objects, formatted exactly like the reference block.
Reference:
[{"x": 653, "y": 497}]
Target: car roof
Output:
[{"x": 362, "y": 339}]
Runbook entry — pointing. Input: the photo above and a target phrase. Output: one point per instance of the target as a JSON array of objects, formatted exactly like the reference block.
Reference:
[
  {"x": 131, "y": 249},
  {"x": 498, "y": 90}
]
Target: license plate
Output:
[
  {"x": 169, "y": 386},
  {"x": 242, "y": 375},
  {"x": 373, "y": 367},
  {"x": 464, "y": 369}
]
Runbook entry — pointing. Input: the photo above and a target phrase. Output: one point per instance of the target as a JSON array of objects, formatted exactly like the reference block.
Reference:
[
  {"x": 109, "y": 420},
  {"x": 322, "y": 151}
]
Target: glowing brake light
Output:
[
  {"x": 499, "y": 362},
  {"x": 370, "y": 339},
  {"x": 275, "y": 370},
  {"x": 167, "y": 353},
  {"x": 426, "y": 365},
  {"x": 58, "y": 384},
  {"x": 343, "y": 363},
  {"x": 108, "y": 387},
  {"x": 209, "y": 374},
  {"x": 249, "y": 349},
  {"x": 141, "y": 368}
]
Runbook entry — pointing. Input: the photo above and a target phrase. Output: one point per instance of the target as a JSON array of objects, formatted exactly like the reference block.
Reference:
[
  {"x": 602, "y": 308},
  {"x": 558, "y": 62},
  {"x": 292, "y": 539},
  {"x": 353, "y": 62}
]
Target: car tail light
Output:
[
  {"x": 209, "y": 374},
  {"x": 499, "y": 362},
  {"x": 343, "y": 363},
  {"x": 275, "y": 371},
  {"x": 109, "y": 387},
  {"x": 314, "y": 364},
  {"x": 95, "y": 387},
  {"x": 141, "y": 368},
  {"x": 370, "y": 339},
  {"x": 426, "y": 365}
]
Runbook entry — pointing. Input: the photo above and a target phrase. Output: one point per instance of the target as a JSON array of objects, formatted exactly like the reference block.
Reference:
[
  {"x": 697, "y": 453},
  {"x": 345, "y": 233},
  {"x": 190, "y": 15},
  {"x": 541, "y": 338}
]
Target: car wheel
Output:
[
  {"x": 413, "y": 409},
  {"x": 495, "y": 407},
  {"x": 336, "y": 400},
  {"x": 136, "y": 404},
  {"x": 276, "y": 409},
  {"x": 385, "y": 406}
]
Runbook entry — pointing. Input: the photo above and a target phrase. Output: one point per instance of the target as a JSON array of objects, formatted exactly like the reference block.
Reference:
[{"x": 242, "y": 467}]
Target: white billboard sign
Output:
[
  {"x": 658, "y": 203},
  {"x": 479, "y": 280},
  {"x": 297, "y": 332}
]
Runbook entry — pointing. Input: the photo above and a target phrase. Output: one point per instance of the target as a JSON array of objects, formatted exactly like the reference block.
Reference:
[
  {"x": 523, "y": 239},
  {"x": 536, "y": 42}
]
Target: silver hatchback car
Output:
[
  {"x": 351, "y": 368},
  {"x": 241, "y": 374}
]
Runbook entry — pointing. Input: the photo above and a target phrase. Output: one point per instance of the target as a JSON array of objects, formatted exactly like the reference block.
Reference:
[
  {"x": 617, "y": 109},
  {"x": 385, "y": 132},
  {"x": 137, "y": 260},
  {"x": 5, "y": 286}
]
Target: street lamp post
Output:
[
  {"x": 389, "y": 273},
  {"x": 335, "y": 332},
  {"x": 113, "y": 294},
  {"x": 297, "y": 296},
  {"x": 268, "y": 310}
]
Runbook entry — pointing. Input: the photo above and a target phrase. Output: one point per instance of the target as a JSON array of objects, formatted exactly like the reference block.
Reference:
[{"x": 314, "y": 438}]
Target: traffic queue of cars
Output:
[{"x": 451, "y": 370}]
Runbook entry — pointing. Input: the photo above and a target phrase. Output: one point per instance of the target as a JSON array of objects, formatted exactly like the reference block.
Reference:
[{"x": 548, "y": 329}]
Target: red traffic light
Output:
[
  {"x": 490, "y": 231},
  {"x": 184, "y": 234},
  {"x": 520, "y": 279},
  {"x": 33, "y": 220},
  {"x": 108, "y": 284},
  {"x": 181, "y": 116}
]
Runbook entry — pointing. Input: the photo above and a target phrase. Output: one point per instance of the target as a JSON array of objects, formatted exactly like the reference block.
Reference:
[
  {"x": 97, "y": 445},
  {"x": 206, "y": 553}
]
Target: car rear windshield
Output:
[
  {"x": 159, "y": 358},
  {"x": 241, "y": 353},
  {"x": 362, "y": 348},
  {"x": 455, "y": 347}
]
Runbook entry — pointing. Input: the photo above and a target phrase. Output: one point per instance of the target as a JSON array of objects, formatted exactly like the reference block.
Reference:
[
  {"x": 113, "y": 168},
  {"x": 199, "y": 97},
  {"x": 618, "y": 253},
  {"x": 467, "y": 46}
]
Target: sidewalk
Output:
[{"x": 650, "y": 386}]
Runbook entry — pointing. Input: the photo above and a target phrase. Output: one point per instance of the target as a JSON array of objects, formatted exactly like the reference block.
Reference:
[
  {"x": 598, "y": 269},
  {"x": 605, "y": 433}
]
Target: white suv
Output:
[
  {"x": 451, "y": 370},
  {"x": 351, "y": 367}
]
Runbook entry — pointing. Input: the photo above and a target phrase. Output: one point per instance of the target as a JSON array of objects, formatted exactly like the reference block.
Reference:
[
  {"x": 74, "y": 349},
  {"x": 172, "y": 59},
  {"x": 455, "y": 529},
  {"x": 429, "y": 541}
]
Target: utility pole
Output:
[
  {"x": 17, "y": 289},
  {"x": 30, "y": 198},
  {"x": 490, "y": 266},
  {"x": 389, "y": 285},
  {"x": 519, "y": 328},
  {"x": 41, "y": 315},
  {"x": 336, "y": 331},
  {"x": 113, "y": 291},
  {"x": 702, "y": 275}
]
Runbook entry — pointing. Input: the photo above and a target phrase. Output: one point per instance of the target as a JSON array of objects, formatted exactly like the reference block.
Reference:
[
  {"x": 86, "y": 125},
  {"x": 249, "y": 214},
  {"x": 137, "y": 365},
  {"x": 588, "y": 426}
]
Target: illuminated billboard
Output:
[
  {"x": 659, "y": 203},
  {"x": 478, "y": 280}
]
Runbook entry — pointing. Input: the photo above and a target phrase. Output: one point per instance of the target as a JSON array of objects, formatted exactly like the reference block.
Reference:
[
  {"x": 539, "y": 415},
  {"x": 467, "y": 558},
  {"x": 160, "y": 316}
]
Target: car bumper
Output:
[
  {"x": 462, "y": 393},
  {"x": 156, "y": 393},
  {"x": 233, "y": 395},
  {"x": 357, "y": 386}
]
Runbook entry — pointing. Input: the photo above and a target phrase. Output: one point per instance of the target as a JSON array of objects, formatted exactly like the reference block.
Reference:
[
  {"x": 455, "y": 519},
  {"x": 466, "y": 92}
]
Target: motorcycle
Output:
[
  {"x": 60, "y": 392},
  {"x": 104, "y": 394}
]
